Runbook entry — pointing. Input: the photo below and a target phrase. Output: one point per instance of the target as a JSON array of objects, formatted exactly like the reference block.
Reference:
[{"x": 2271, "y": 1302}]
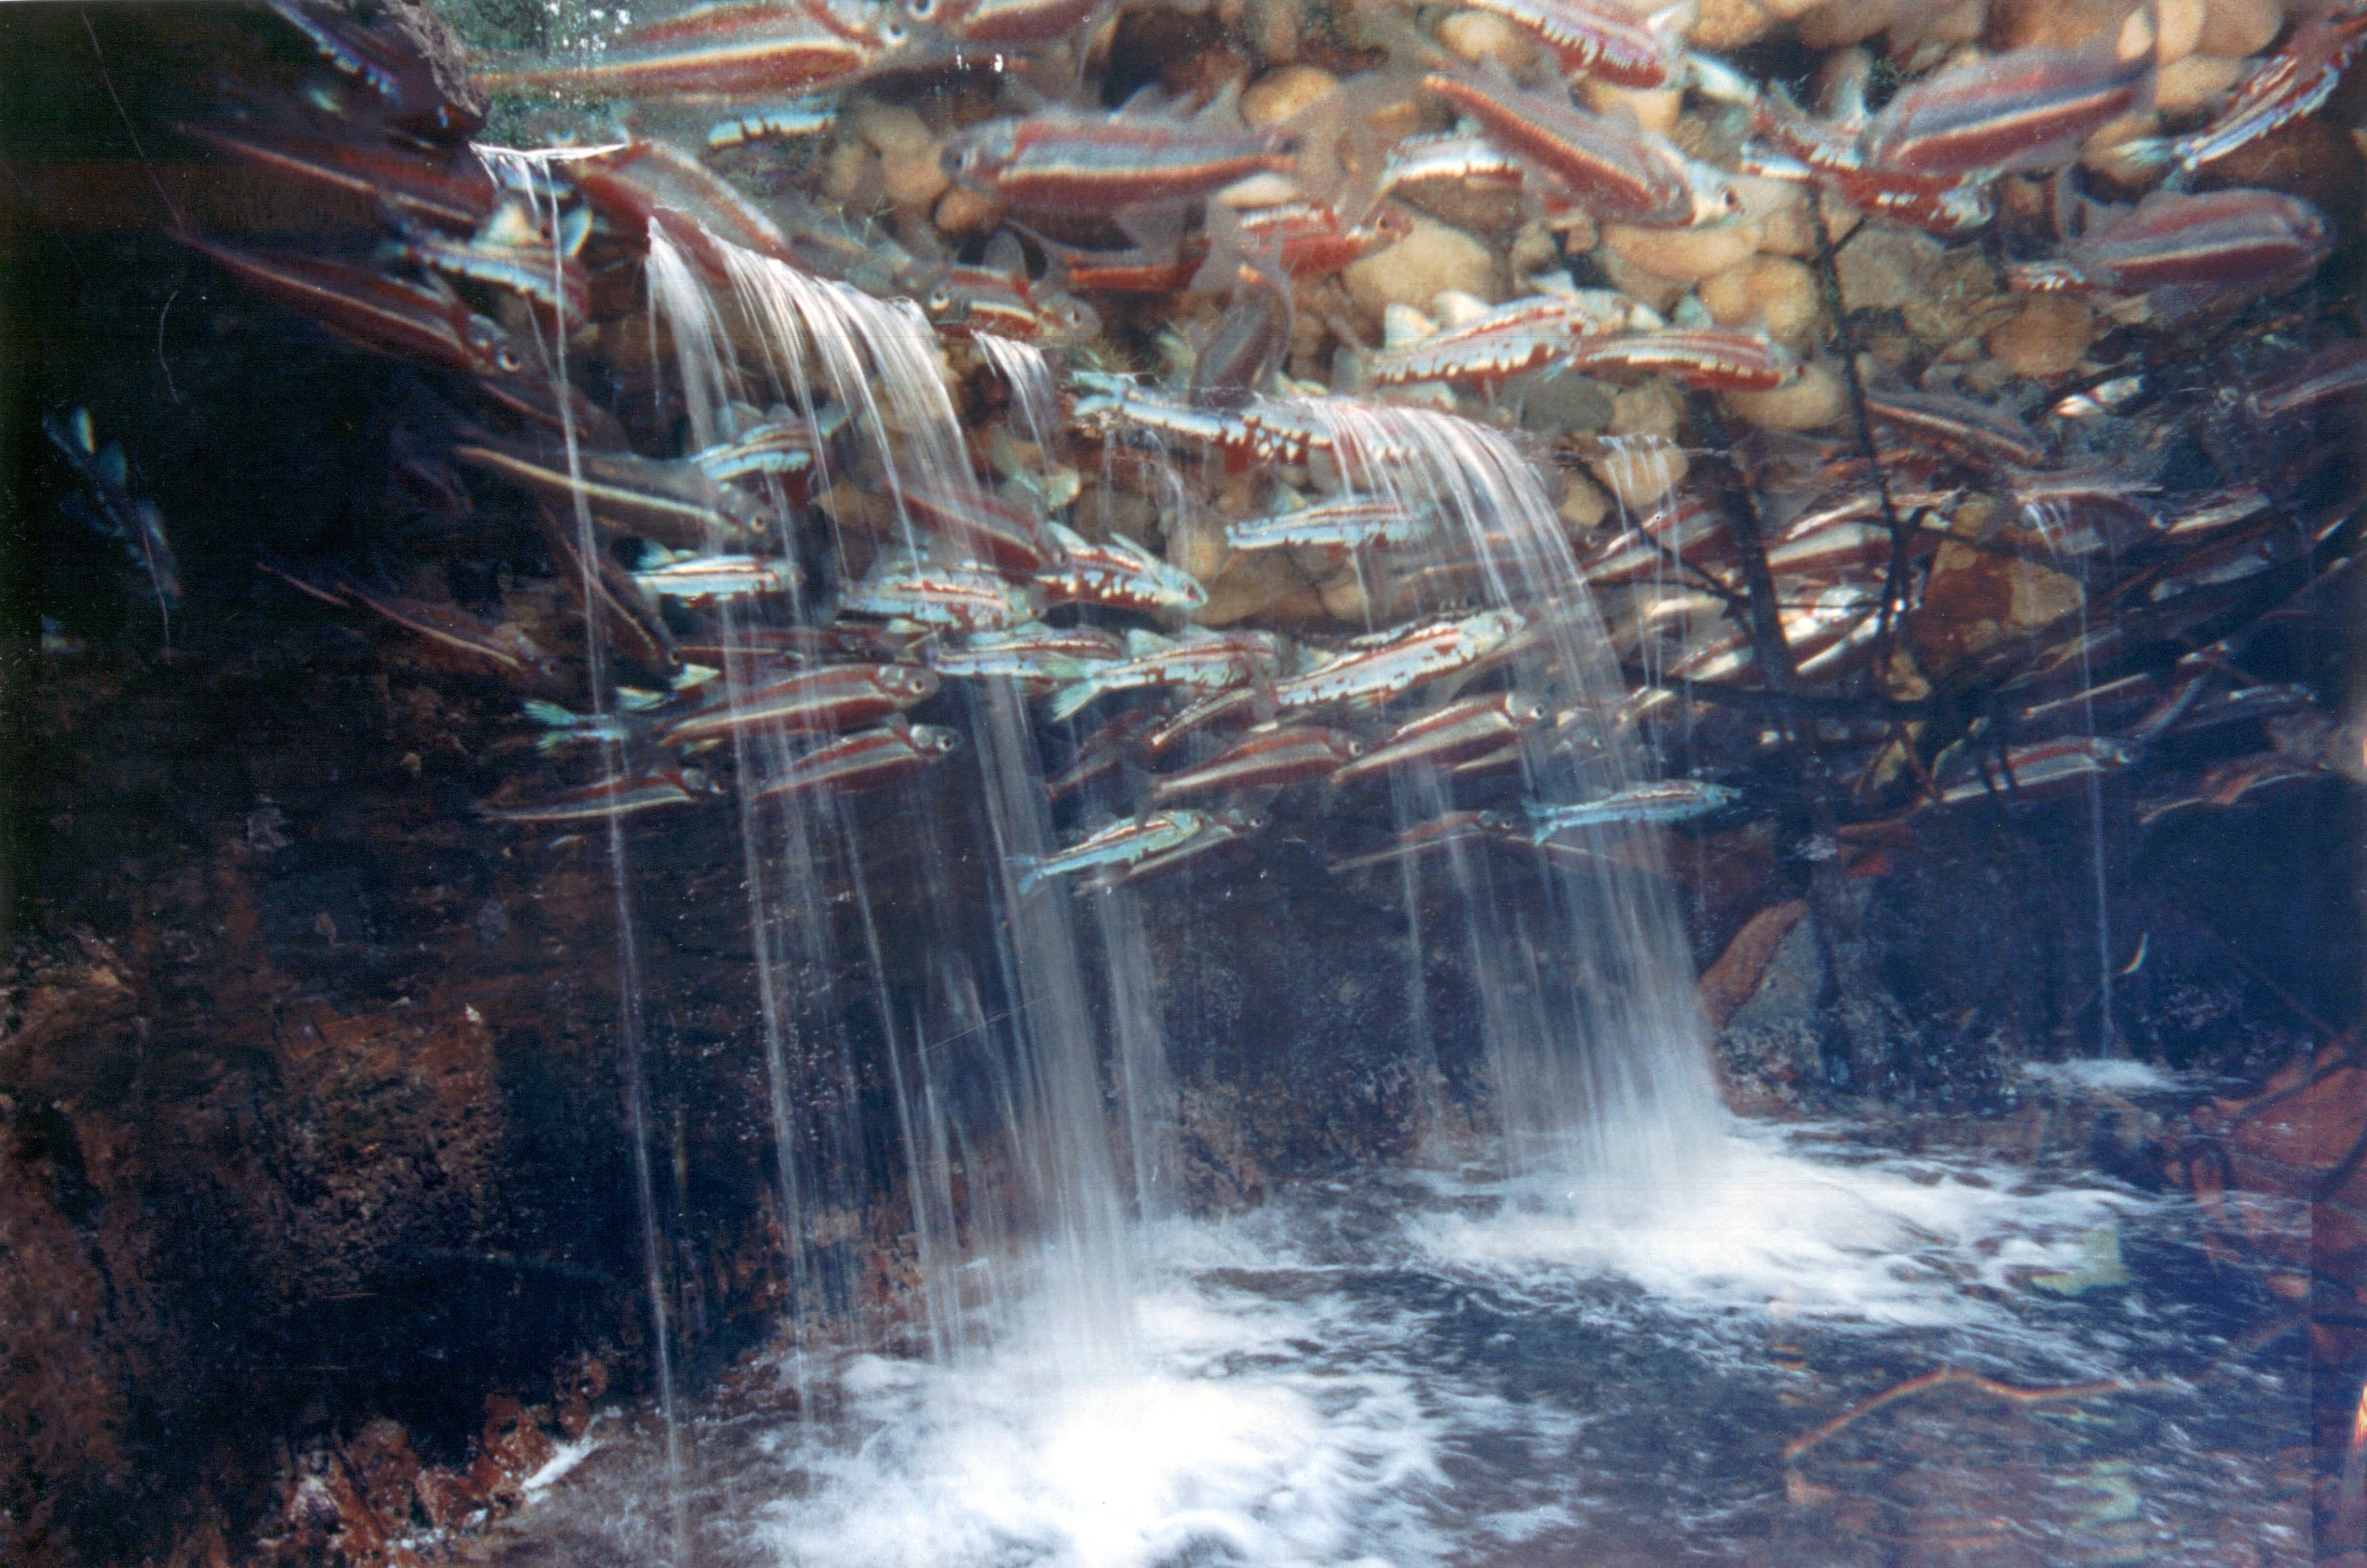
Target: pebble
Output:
[
  {"x": 2192, "y": 82},
  {"x": 1963, "y": 22},
  {"x": 1787, "y": 222},
  {"x": 1659, "y": 294},
  {"x": 2063, "y": 24},
  {"x": 1346, "y": 597},
  {"x": 1770, "y": 292},
  {"x": 1684, "y": 256},
  {"x": 2046, "y": 338},
  {"x": 1252, "y": 582},
  {"x": 1817, "y": 399},
  {"x": 842, "y": 170},
  {"x": 1640, "y": 469},
  {"x": 2240, "y": 28},
  {"x": 2181, "y": 26},
  {"x": 1583, "y": 505},
  {"x": 961, "y": 211},
  {"x": 1654, "y": 409},
  {"x": 1563, "y": 401},
  {"x": 1429, "y": 260},
  {"x": 1274, "y": 28},
  {"x": 1727, "y": 24},
  {"x": 1836, "y": 24},
  {"x": 1286, "y": 91},
  {"x": 1885, "y": 269},
  {"x": 1656, "y": 110},
  {"x": 1485, "y": 38},
  {"x": 1960, "y": 300}
]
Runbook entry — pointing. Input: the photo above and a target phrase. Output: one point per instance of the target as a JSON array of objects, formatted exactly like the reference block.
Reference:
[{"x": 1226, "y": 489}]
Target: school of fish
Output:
[{"x": 1976, "y": 408}]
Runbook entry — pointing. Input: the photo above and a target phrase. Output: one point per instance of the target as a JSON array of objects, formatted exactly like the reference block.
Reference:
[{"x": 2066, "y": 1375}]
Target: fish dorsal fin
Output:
[
  {"x": 1689, "y": 314},
  {"x": 1141, "y": 644},
  {"x": 1402, "y": 325},
  {"x": 1067, "y": 538}
]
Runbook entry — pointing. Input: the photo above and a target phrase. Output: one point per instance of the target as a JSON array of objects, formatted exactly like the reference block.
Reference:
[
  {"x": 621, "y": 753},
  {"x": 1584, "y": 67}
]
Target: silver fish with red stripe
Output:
[
  {"x": 834, "y": 696},
  {"x": 862, "y": 761},
  {"x": 1066, "y": 160},
  {"x": 1473, "y": 728},
  {"x": 1401, "y": 661},
  {"x": 1265, "y": 758}
]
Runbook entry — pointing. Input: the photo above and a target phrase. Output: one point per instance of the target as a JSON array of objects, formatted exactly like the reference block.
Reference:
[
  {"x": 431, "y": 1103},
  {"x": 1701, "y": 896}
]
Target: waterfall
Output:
[
  {"x": 1601, "y": 1086},
  {"x": 978, "y": 1083}
]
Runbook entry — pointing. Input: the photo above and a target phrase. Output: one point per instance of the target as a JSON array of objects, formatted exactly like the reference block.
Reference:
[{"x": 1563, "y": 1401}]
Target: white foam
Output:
[
  {"x": 569, "y": 1455},
  {"x": 2119, "y": 1077},
  {"x": 1225, "y": 1442},
  {"x": 1890, "y": 1242}
]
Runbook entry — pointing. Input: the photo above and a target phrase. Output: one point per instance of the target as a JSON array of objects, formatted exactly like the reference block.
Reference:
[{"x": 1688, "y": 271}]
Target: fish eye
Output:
[
  {"x": 894, "y": 35},
  {"x": 920, "y": 10},
  {"x": 507, "y": 358}
]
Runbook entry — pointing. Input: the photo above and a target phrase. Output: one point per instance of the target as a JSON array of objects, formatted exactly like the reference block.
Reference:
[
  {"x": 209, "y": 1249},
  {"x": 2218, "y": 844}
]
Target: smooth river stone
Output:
[{"x": 1430, "y": 260}]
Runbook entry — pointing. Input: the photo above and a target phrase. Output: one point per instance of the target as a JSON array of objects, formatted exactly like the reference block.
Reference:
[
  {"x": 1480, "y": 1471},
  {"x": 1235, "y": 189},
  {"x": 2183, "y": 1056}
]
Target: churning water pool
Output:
[{"x": 1437, "y": 1367}]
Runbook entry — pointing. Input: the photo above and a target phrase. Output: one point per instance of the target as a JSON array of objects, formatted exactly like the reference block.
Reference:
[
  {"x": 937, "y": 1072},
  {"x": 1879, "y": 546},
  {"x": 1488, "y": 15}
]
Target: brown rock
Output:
[
  {"x": 1287, "y": 91},
  {"x": 961, "y": 211},
  {"x": 1483, "y": 36},
  {"x": 2196, "y": 81},
  {"x": 1430, "y": 258},
  {"x": 1836, "y": 24},
  {"x": 1639, "y": 470},
  {"x": 1773, "y": 292},
  {"x": 1683, "y": 256},
  {"x": 1274, "y": 28},
  {"x": 2240, "y": 28},
  {"x": 1728, "y": 24},
  {"x": 1251, "y": 583},
  {"x": 1885, "y": 268},
  {"x": 447, "y": 1498},
  {"x": 383, "y": 1468},
  {"x": 1734, "y": 979},
  {"x": 2047, "y": 338},
  {"x": 2179, "y": 24},
  {"x": 1656, "y": 110},
  {"x": 1818, "y": 399},
  {"x": 1959, "y": 302}
]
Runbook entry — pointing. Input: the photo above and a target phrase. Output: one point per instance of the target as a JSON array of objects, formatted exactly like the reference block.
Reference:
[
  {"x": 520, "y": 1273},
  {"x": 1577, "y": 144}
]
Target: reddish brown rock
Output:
[{"x": 1726, "y": 985}]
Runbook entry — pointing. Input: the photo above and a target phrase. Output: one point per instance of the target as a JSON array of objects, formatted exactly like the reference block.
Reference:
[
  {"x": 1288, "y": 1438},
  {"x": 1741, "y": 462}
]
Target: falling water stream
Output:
[{"x": 1585, "y": 1337}]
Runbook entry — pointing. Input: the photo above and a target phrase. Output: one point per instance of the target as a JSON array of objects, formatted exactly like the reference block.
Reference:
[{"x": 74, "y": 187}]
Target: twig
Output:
[
  {"x": 1945, "y": 1377},
  {"x": 1893, "y": 586}
]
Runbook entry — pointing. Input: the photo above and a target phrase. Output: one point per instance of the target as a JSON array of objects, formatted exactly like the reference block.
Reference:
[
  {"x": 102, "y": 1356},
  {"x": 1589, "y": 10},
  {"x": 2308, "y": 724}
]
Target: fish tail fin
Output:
[
  {"x": 1071, "y": 699},
  {"x": 1030, "y": 871}
]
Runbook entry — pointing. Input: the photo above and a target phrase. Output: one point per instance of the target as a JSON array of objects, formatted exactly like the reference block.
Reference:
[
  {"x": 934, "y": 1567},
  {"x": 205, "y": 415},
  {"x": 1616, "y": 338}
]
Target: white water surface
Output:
[{"x": 1433, "y": 1369}]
